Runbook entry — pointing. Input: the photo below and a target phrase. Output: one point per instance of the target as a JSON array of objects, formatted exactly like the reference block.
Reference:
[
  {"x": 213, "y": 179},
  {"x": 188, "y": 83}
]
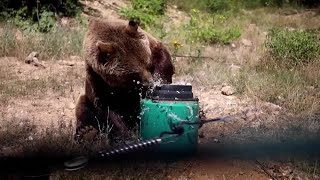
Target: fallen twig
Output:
[
  {"x": 261, "y": 166},
  {"x": 189, "y": 56}
]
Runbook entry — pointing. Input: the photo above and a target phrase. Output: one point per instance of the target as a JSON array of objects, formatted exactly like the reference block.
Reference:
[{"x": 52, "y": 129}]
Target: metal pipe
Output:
[{"x": 130, "y": 148}]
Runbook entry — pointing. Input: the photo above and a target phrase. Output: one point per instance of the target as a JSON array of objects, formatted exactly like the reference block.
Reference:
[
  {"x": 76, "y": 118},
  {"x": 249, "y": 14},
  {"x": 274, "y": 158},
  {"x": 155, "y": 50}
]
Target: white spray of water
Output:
[{"x": 181, "y": 83}]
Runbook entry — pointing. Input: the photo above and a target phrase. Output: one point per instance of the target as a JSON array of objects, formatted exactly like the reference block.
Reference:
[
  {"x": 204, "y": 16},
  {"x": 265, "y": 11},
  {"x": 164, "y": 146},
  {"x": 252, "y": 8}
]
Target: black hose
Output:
[
  {"x": 202, "y": 121},
  {"x": 130, "y": 148}
]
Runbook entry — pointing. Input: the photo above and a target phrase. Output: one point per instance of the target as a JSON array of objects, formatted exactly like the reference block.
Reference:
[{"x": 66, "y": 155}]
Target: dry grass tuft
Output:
[
  {"x": 54, "y": 45},
  {"x": 23, "y": 138}
]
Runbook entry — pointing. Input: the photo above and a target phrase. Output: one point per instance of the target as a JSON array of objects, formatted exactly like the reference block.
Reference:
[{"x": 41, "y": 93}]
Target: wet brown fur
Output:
[{"x": 118, "y": 54}]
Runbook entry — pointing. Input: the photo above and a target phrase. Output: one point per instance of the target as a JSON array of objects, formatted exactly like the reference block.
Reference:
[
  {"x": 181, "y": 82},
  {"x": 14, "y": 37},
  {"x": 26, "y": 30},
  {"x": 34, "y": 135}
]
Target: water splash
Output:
[{"x": 182, "y": 83}]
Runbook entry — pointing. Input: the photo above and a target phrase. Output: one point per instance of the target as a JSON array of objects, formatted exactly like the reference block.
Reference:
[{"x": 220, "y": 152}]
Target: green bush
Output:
[
  {"x": 306, "y": 3},
  {"x": 279, "y": 3},
  {"x": 211, "y": 6},
  {"x": 147, "y": 12},
  {"x": 218, "y": 5},
  {"x": 37, "y": 15},
  {"x": 221, "y": 6},
  {"x": 261, "y": 3},
  {"x": 293, "y": 47},
  {"x": 211, "y": 28},
  {"x": 151, "y": 7},
  {"x": 32, "y": 7},
  {"x": 214, "y": 35}
]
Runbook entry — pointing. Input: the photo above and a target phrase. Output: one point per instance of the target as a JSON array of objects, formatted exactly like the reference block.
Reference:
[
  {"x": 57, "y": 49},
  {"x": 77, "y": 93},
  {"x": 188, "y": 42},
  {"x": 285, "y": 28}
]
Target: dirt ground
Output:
[
  {"x": 227, "y": 150},
  {"x": 257, "y": 141}
]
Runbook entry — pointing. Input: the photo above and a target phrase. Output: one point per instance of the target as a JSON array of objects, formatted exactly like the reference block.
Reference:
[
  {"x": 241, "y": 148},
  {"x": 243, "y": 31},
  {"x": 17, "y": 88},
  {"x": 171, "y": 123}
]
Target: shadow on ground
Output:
[{"x": 304, "y": 149}]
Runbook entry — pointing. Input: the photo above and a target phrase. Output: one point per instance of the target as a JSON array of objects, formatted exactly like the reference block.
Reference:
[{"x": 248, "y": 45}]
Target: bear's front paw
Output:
[{"x": 86, "y": 134}]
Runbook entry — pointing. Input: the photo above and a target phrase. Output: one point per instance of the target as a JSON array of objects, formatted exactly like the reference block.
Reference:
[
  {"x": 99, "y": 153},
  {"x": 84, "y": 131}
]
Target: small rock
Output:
[
  {"x": 96, "y": 3},
  {"x": 71, "y": 105},
  {"x": 272, "y": 106},
  {"x": 66, "y": 63},
  {"x": 250, "y": 115},
  {"x": 227, "y": 90},
  {"x": 241, "y": 173},
  {"x": 310, "y": 87},
  {"x": 19, "y": 35},
  {"x": 215, "y": 140},
  {"x": 201, "y": 134},
  {"x": 33, "y": 59},
  {"x": 36, "y": 78},
  {"x": 246, "y": 42},
  {"x": 234, "y": 69},
  {"x": 65, "y": 21},
  {"x": 233, "y": 45}
]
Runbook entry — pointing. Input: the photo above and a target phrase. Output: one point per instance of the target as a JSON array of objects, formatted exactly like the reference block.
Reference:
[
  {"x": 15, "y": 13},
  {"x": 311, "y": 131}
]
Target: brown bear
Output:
[{"x": 121, "y": 60}]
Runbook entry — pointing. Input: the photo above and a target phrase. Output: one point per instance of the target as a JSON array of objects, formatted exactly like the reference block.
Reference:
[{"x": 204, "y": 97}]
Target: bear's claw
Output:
[{"x": 86, "y": 134}]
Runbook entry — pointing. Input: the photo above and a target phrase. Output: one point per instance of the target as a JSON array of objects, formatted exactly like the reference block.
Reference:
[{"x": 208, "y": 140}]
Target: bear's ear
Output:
[
  {"x": 105, "y": 47},
  {"x": 132, "y": 28}
]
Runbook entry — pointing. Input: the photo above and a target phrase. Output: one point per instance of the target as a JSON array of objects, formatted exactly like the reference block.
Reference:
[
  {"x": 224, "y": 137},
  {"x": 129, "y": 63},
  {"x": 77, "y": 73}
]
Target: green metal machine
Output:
[
  {"x": 171, "y": 108},
  {"x": 169, "y": 124}
]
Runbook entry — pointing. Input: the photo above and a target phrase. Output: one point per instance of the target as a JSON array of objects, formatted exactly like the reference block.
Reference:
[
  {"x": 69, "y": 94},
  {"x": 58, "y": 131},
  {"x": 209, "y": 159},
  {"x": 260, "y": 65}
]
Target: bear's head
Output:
[{"x": 123, "y": 54}]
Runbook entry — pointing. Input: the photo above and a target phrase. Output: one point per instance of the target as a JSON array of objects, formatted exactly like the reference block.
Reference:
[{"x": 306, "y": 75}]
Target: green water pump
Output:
[{"x": 167, "y": 109}]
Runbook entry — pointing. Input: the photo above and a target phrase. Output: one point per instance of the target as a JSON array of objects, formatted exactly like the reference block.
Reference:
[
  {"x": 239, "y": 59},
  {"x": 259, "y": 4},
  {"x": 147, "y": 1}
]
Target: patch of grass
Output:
[
  {"x": 35, "y": 88},
  {"x": 55, "y": 45},
  {"x": 211, "y": 28},
  {"x": 296, "y": 90},
  {"x": 220, "y": 6},
  {"x": 8, "y": 41},
  {"x": 26, "y": 139},
  {"x": 37, "y": 15},
  {"x": 146, "y": 12},
  {"x": 286, "y": 17},
  {"x": 293, "y": 47},
  {"x": 292, "y": 90},
  {"x": 11, "y": 135},
  {"x": 13, "y": 86}
]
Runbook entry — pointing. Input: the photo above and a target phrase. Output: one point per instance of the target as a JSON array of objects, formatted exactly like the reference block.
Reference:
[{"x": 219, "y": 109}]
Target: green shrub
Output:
[
  {"x": 211, "y": 28},
  {"x": 46, "y": 21},
  {"x": 222, "y": 6},
  {"x": 279, "y": 3},
  {"x": 218, "y": 5},
  {"x": 8, "y": 41},
  {"x": 38, "y": 15},
  {"x": 293, "y": 47},
  {"x": 32, "y": 7},
  {"x": 306, "y": 3},
  {"x": 147, "y": 12},
  {"x": 211, "y": 6},
  {"x": 151, "y": 7}
]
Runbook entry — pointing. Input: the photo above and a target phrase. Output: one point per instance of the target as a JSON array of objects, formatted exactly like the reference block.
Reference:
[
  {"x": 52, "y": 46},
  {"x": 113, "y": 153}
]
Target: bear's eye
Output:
[{"x": 104, "y": 57}]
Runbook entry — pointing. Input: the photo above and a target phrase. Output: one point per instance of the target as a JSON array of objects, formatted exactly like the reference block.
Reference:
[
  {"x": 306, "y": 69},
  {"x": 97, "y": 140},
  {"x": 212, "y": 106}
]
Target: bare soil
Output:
[
  {"x": 258, "y": 140},
  {"x": 227, "y": 149}
]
